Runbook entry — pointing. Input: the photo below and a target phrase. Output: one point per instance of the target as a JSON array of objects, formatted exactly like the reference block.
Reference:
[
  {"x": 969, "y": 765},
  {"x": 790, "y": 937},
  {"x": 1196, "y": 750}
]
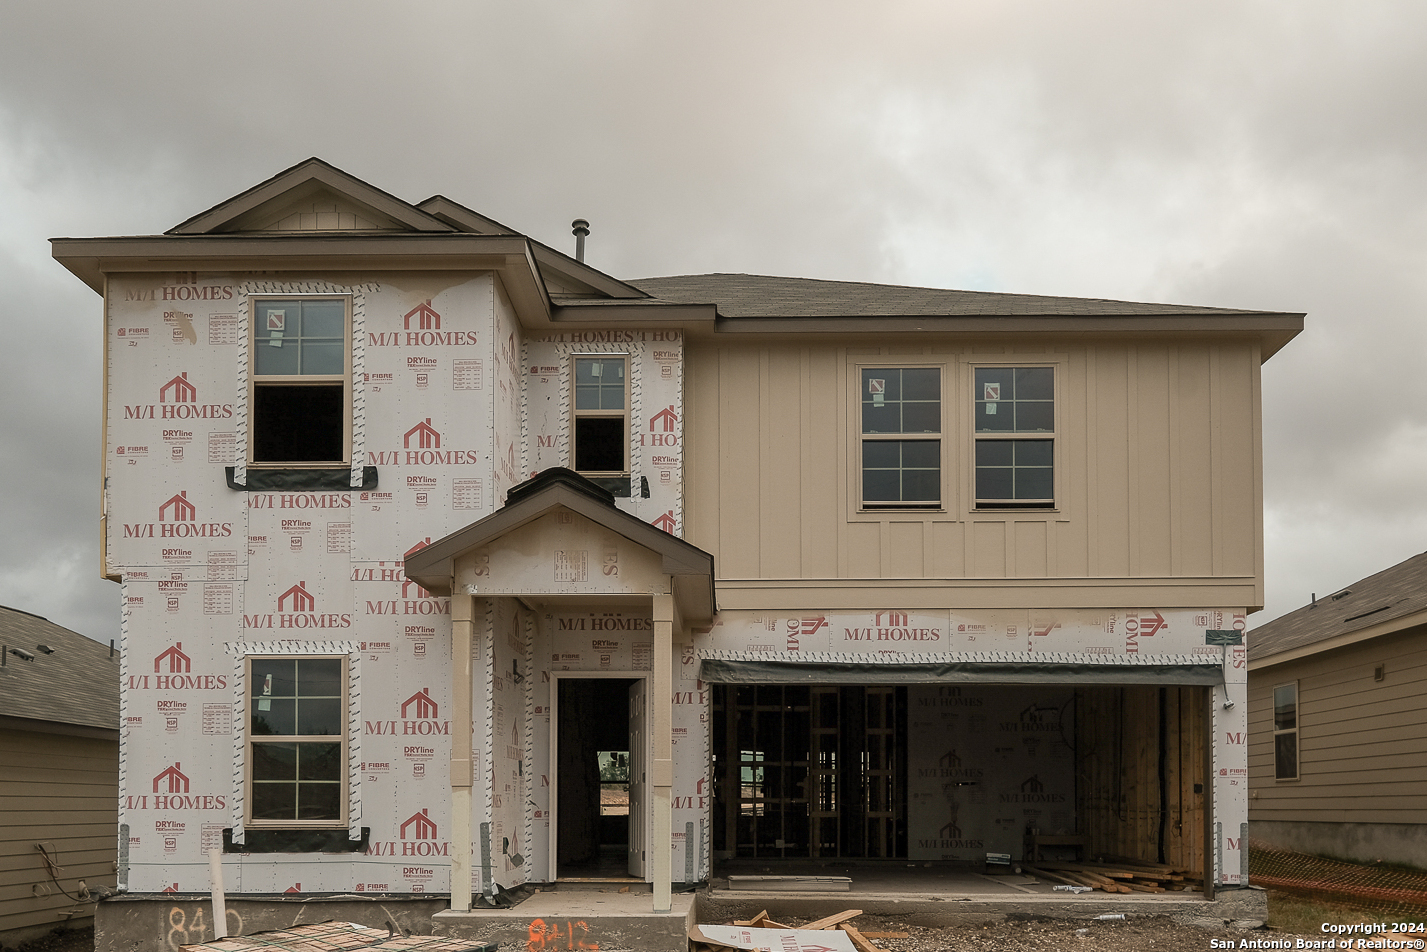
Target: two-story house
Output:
[{"x": 450, "y": 563}]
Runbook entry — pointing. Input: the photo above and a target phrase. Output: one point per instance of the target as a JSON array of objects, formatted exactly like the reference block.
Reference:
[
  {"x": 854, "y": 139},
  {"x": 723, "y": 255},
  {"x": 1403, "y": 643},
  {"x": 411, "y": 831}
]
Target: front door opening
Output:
[{"x": 596, "y": 763}]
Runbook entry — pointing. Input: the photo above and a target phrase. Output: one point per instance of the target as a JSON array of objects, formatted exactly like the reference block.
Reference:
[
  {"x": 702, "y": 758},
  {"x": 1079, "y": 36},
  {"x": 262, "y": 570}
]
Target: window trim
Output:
[
  {"x": 861, "y": 438},
  {"x": 1293, "y": 731},
  {"x": 255, "y": 380},
  {"x": 344, "y": 798},
  {"x": 1057, "y": 365},
  {"x": 625, "y": 414}
]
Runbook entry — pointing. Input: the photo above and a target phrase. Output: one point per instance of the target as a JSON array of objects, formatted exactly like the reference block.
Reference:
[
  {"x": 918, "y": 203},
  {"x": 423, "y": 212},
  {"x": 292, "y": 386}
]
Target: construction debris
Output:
[
  {"x": 337, "y": 937},
  {"x": 1117, "y": 876},
  {"x": 791, "y": 883},
  {"x": 829, "y": 934}
]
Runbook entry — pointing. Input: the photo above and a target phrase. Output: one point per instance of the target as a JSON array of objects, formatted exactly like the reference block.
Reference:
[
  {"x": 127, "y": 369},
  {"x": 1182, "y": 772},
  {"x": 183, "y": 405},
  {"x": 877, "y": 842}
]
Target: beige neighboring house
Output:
[
  {"x": 1338, "y": 722},
  {"x": 59, "y": 774}
]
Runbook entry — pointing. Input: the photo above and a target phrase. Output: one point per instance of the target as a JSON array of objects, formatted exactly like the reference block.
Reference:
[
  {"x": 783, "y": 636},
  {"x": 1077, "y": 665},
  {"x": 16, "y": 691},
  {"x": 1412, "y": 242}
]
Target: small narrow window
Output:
[
  {"x": 1285, "y": 732},
  {"x": 901, "y": 437},
  {"x": 601, "y": 417},
  {"x": 297, "y": 741},
  {"x": 1015, "y": 437},
  {"x": 300, "y": 382}
]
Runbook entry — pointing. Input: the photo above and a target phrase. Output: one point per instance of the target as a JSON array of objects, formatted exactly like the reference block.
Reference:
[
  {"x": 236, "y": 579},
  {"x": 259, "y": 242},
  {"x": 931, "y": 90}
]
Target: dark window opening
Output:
[
  {"x": 599, "y": 444},
  {"x": 300, "y": 424}
]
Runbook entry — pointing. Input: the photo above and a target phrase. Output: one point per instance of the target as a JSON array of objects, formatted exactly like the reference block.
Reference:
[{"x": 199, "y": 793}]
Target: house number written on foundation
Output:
[{"x": 548, "y": 938}]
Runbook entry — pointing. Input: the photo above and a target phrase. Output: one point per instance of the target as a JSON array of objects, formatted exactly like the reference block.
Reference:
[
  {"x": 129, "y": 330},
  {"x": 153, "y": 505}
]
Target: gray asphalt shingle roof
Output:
[
  {"x": 77, "y": 684},
  {"x": 1392, "y": 593},
  {"x": 760, "y": 295}
]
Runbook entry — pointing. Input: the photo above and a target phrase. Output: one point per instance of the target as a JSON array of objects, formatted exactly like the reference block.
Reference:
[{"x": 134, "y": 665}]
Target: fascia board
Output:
[
  {"x": 1274, "y": 331},
  {"x": 302, "y": 177},
  {"x": 1390, "y": 627},
  {"x": 90, "y": 259}
]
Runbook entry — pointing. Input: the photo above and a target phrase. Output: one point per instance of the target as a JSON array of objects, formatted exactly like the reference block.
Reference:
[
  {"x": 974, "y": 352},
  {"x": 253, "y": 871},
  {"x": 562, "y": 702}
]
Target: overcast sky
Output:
[{"x": 1243, "y": 154}]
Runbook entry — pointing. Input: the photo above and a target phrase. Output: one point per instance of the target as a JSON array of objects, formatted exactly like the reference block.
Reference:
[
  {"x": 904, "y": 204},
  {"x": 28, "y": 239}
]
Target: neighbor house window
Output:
[
  {"x": 297, "y": 741},
  {"x": 901, "y": 437},
  {"x": 1015, "y": 437},
  {"x": 1285, "y": 732},
  {"x": 601, "y": 418},
  {"x": 301, "y": 382}
]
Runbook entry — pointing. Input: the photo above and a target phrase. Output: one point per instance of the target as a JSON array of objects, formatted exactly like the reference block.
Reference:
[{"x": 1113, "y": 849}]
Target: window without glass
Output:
[
  {"x": 901, "y": 437},
  {"x": 297, "y": 741},
  {"x": 601, "y": 417},
  {"x": 300, "y": 382},
  {"x": 1015, "y": 437},
  {"x": 1285, "y": 732}
]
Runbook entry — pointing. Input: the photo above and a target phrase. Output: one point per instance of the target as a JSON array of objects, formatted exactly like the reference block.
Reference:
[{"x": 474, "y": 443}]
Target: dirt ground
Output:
[{"x": 1028, "y": 934}]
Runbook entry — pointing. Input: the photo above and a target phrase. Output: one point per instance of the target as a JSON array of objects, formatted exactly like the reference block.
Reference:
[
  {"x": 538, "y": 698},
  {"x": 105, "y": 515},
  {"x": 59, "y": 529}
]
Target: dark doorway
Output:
[{"x": 593, "y": 814}]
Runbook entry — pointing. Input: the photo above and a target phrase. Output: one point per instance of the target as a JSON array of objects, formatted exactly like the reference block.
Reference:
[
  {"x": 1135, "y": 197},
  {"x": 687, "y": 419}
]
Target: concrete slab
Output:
[{"x": 583, "y": 918}]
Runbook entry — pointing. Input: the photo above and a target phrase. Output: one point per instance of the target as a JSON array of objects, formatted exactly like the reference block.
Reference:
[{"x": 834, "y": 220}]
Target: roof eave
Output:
[{"x": 1342, "y": 640}]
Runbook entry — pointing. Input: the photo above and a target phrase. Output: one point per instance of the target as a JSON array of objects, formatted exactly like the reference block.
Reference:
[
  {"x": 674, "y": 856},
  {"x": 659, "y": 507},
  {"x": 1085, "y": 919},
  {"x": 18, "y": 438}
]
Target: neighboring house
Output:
[
  {"x": 59, "y": 775},
  {"x": 838, "y": 570},
  {"x": 1338, "y": 722}
]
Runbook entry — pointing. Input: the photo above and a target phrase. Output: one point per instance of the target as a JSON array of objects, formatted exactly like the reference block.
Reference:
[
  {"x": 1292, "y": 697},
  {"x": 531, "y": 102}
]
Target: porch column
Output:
[
  {"x": 661, "y": 773},
  {"x": 461, "y": 633}
]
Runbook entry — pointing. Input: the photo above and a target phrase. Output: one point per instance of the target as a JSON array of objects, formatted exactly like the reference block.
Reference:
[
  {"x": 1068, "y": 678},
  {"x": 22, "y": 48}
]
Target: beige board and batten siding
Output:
[
  {"x": 1157, "y": 457},
  {"x": 1362, "y": 743},
  {"x": 60, "y": 791}
]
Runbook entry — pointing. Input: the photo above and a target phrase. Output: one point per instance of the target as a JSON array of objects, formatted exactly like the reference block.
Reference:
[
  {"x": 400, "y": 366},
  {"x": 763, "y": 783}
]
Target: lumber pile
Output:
[
  {"x": 1117, "y": 875},
  {"x": 862, "y": 941}
]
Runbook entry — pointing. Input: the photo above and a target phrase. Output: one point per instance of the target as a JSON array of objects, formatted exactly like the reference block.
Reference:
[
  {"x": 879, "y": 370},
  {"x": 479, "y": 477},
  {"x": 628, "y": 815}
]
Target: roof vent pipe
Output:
[{"x": 580, "y": 228}]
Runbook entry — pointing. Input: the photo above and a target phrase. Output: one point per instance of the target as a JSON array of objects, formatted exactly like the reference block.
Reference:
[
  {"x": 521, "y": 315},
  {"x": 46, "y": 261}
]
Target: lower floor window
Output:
[
  {"x": 1015, "y": 473},
  {"x": 899, "y": 473},
  {"x": 297, "y": 741}
]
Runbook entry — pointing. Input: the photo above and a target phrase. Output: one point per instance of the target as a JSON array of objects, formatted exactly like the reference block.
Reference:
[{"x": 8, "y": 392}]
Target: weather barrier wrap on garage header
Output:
[{"x": 730, "y": 671}]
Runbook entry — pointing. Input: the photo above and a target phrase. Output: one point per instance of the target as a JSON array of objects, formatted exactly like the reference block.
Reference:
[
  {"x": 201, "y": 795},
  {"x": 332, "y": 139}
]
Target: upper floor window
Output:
[
  {"x": 297, "y": 741},
  {"x": 1015, "y": 437},
  {"x": 300, "y": 386},
  {"x": 1285, "y": 732},
  {"x": 601, "y": 416},
  {"x": 901, "y": 437}
]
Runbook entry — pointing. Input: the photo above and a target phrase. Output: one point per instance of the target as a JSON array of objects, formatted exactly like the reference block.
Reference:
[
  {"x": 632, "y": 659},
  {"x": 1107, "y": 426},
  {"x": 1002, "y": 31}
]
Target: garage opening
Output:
[{"x": 952, "y": 772}]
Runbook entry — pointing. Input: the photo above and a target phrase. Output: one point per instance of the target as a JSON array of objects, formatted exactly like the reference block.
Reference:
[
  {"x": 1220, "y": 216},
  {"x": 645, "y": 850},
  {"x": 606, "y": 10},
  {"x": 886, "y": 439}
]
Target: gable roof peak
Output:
[{"x": 312, "y": 195}]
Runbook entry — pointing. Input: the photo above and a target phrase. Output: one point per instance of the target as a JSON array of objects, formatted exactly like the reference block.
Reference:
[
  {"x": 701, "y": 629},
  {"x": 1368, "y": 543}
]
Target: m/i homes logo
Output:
[
  {"x": 173, "y": 671},
  {"x": 178, "y": 400},
  {"x": 297, "y": 608},
  {"x": 177, "y": 519},
  {"x": 172, "y": 791},
  {"x": 421, "y": 446},
  {"x": 418, "y": 837},
  {"x": 418, "y": 718}
]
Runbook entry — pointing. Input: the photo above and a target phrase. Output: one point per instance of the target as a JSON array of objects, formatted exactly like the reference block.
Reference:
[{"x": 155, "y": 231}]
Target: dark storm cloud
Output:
[{"x": 1246, "y": 154}]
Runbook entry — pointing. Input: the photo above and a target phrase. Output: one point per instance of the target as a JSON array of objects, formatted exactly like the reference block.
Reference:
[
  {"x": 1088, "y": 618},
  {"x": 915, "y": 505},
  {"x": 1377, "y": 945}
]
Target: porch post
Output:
[
  {"x": 462, "y": 606},
  {"x": 661, "y": 773}
]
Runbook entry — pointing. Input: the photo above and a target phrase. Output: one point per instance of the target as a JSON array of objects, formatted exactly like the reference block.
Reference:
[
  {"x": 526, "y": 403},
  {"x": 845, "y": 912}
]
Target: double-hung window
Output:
[
  {"x": 1285, "y": 732},
  {"x": 1015, "y": 437},
  {"x": 600, "y": 421},
  {"x": 901, "y": 437},
  {"x": 300, "y": 382},
  {"x": 297, "y": 741}
]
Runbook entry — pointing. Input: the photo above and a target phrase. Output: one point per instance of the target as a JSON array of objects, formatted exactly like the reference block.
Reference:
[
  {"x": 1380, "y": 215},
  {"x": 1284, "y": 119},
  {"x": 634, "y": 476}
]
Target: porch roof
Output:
[{"x": 690, "y": 569}]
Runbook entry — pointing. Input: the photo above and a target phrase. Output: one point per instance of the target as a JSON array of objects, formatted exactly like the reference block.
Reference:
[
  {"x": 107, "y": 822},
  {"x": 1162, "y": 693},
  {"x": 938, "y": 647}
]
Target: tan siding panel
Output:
[
  {"x": 702, "y": 432},
  {"x": 1111, "y": 553},
  {"x": 1151, "y": 459},
  {"x": 948, "y": 554},
  {"x": 988, "y": 540},
  {"x": 781, "y": 462},
  {"x": 741, "y": 517},
  {"x": 1237, "y": 505},
  {"x": 1193, "y": 536},
  {"x": 1031, "y": 550},
  {"x": 905, "y": 542},
  {"x": 826, "y": 471}
]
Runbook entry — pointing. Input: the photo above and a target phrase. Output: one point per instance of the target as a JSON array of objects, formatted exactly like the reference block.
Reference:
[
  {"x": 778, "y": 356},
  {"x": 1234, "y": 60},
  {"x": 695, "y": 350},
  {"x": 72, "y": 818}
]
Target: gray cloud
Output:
[{"x": 1247, "y": 154}]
